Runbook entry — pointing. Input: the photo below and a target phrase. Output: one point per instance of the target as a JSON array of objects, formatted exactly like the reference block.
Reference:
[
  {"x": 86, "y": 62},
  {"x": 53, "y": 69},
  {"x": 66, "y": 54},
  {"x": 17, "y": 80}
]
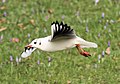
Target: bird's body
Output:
[
  {"x": 57, "y": 45},
  {"x": 63, "y": 44},
  {"x": 62, "y": 37}
]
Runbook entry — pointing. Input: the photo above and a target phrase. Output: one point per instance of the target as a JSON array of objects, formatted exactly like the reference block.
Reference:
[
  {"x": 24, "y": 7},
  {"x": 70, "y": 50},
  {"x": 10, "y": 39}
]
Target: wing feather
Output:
[{"x": 61, "y": 31}]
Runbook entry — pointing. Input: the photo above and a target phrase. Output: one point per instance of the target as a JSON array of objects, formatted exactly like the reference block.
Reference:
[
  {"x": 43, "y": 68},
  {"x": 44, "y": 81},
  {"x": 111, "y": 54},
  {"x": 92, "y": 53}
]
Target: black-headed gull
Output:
[{"x": 62, "y": 37}]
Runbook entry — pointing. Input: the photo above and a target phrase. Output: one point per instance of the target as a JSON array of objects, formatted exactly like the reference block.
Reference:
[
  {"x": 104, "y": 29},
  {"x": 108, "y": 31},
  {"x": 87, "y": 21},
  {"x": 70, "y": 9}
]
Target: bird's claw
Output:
[{"x": 86, "y": 54}]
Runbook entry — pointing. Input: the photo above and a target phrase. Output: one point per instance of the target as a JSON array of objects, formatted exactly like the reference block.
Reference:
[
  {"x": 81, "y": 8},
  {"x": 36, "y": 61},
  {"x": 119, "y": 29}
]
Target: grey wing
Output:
[{"x": 61, "y": 31}]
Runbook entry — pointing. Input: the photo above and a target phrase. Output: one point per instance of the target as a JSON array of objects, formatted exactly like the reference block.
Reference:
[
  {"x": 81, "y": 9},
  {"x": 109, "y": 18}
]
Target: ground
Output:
[{"x": 21, "y": 21}]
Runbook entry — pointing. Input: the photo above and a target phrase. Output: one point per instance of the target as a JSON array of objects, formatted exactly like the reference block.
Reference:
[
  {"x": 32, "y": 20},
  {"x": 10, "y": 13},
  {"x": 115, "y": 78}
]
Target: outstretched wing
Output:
[
  {"x": 61, "y": 31},
  {"x": 27, "y": 52}
]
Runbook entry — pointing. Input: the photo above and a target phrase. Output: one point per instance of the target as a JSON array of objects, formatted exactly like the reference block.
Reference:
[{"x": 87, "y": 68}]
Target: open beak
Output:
[{"x": 28, "y": 47}]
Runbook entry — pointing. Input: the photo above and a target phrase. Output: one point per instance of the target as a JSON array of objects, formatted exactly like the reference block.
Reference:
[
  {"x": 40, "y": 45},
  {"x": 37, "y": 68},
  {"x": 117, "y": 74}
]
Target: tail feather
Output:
[{"x": 86, "y": 44}]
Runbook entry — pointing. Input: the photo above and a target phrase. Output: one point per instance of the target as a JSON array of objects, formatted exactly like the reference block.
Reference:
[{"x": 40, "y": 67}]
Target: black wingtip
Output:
[
  {"x": 61, "y": 23},
  {"x": 57, "y": 22},
  {"x": 62, "y": 30},
  {"x": 52, "y": 23}
]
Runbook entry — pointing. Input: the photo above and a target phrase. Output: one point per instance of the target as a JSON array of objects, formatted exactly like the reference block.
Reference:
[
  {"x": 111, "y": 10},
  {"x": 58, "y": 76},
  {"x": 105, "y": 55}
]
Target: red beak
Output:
[{"x": 29, "y": 46}]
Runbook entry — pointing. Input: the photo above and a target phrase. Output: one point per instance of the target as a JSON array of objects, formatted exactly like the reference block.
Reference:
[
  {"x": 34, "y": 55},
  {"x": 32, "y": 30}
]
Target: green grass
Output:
[{"x": 66, "y": 65}]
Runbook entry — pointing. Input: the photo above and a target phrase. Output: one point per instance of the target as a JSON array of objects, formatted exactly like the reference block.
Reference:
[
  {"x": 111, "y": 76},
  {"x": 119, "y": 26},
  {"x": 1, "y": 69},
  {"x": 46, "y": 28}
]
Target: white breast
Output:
[{"x": 57, "y": 45}]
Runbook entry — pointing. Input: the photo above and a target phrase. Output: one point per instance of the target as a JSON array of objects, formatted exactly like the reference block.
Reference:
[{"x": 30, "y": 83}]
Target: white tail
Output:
[
  {"x": 86, "y": 44},
  {"x": 89, "y": 45}
]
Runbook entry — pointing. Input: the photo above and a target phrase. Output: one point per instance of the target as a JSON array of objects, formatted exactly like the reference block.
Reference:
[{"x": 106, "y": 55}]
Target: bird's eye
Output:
[
  {"x": 35, "y": 42},
  {"x": 40, "y": 43}
]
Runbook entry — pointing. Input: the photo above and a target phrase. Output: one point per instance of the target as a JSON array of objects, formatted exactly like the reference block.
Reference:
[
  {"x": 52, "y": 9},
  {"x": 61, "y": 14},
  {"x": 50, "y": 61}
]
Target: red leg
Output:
[{"x": 81, "y": 51}]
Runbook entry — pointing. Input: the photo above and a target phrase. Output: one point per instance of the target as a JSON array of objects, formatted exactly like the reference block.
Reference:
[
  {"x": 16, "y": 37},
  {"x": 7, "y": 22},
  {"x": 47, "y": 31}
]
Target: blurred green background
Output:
[{"x": 98, "y": 21}]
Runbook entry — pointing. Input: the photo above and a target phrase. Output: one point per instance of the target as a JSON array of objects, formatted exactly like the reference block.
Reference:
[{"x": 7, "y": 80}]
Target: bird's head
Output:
[{"x": 36, "y": 43}]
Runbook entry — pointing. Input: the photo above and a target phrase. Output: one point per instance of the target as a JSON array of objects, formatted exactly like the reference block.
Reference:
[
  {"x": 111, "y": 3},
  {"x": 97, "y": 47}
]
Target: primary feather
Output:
[{"x": 61, "y": 31}]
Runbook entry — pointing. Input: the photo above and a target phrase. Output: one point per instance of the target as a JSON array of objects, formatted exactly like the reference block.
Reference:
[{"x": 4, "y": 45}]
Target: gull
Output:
[{"x": 62, "y": 37}]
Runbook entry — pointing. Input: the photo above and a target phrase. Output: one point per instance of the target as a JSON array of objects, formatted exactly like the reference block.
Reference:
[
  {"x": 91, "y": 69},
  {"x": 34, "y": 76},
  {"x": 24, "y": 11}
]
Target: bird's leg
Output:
[{"x": 81, "y": 51}]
